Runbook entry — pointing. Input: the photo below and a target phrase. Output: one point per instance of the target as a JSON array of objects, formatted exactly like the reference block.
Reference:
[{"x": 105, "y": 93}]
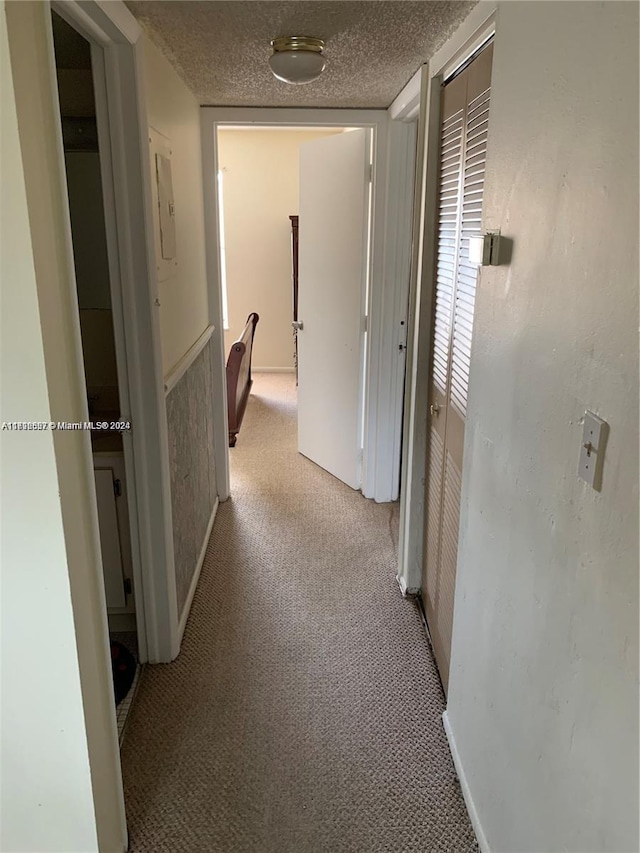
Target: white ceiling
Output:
[{"x": 221, "y": 49}]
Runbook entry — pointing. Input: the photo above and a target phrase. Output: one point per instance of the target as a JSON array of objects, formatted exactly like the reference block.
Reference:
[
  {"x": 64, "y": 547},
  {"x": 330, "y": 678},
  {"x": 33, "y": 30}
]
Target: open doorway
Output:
[
  {"x": 294, "y": 242},
  {"x": 102, "y": 361},
  {"x": 388, "y": 173},
  {"x": 259, "y": 180}
]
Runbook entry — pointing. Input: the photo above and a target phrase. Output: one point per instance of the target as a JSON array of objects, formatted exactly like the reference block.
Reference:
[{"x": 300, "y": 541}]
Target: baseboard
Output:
[
  {"x": 272, "y": 369},
  {"x": 404, "y": 589},
  {"x": 464, "y": 785},
  {"x": 196, "y": 575}
]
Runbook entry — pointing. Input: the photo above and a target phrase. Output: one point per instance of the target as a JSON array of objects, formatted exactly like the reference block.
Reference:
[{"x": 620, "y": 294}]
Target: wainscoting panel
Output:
[{"x": 191, "y": 457}]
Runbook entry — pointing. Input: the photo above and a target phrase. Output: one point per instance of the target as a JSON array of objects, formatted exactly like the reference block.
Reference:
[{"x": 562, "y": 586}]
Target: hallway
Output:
[{"x": 304, "y": 711}]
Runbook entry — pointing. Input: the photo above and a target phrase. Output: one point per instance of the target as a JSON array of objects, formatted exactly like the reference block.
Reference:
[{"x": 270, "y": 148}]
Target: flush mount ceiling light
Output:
[{"x": 297, "y": 59}]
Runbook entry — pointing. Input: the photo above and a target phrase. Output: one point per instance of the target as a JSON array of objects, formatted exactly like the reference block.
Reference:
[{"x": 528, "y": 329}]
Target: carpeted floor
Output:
[{"x": 304, "y": 712}]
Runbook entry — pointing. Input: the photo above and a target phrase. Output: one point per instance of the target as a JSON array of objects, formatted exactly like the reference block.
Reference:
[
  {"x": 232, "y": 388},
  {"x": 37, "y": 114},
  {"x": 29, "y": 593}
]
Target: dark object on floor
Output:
[
  {"x": 239, "y": 380},
  {"x": 123, "y": 666}
]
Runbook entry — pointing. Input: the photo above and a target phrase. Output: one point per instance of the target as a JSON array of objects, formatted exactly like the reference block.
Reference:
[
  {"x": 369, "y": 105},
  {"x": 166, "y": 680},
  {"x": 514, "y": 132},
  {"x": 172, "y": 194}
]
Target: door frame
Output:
[
  {"x": 390, "y": 250},
  {"x": 117, "y": 65},
  {"x": 474, "y": 31}
]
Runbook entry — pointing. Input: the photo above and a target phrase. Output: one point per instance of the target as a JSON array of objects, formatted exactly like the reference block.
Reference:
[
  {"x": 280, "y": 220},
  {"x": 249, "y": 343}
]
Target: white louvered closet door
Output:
[{"x": 464, "y": 127}]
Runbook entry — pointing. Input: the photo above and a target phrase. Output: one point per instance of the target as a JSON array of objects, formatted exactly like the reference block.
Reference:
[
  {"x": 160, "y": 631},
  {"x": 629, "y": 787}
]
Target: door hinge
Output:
[
  {"x": 117, "y": 488},
  {"x": 128, "y": 587},
  {"x": 370, "y": 173},
  {"x": 365, "y": 323}
]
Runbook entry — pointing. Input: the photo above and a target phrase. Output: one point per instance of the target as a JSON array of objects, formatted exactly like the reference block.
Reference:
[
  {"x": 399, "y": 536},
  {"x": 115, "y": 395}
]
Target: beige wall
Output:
[
  {"x": 46, "y": 779},
  {"x": 543, "y": 693},
  {"x": 261, "y": 169},
  {"x": 174, "y": 113}
]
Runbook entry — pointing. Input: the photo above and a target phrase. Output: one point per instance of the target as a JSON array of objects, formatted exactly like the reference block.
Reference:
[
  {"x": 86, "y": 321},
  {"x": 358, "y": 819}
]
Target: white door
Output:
[{"x": 333, "y": 226}]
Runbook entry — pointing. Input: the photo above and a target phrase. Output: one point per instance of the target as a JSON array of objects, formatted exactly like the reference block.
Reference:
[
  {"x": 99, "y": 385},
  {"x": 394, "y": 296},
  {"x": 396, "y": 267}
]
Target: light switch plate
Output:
[
  {"x": 587, "y": 466},
  {"x": 593, "y": 429},
  {"x": 594, "y": 439}
]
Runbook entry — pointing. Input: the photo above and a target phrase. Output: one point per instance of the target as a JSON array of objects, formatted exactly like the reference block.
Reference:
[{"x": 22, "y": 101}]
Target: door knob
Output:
[
  {"x": 434, "y": 408},
  {"x": 298, "y": 324}
]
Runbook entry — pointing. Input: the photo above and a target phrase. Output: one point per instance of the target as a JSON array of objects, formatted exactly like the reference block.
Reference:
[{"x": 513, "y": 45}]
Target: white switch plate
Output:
[
  {"x": 479, "y": 249},
  {"x": 587, "y": 466},
  {"x": 594, "y": 438},
  {"x": 593, "y": 429}
]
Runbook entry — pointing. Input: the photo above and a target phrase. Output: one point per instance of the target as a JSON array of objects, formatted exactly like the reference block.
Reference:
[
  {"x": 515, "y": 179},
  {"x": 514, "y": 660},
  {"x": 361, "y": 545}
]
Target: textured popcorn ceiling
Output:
[{"x": 221, "y": 49}]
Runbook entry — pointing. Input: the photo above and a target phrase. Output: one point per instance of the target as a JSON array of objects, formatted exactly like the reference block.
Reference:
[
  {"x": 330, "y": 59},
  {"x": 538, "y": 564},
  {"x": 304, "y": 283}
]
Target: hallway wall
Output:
[
  {"x": 261, "y": 189},
  {"x": 543, "y": 694},
  {"x": 192, "y": 467},
  {"x": 174, "y": 113}
]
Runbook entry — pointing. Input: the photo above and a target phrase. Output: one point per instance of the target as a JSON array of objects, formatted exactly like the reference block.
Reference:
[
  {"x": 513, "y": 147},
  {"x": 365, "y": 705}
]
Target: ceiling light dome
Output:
[{"x": 297, "y": 59}]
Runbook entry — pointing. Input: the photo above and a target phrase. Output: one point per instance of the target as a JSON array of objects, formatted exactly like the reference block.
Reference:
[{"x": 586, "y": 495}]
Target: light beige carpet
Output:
[{"x": 304, "y": 712}]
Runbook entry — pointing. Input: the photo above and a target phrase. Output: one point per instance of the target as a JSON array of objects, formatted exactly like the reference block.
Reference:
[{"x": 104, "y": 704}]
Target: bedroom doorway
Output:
[
  {"x": 391, "y": 173},
  {"x": 294, "y": 229},
  {"x": 258, "y": 185}
]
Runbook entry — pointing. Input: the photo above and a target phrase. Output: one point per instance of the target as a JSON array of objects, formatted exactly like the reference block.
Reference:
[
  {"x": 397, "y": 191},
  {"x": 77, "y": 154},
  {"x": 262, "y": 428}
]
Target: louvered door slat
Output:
[
  {"x": 474, "y": 166},
  {"x": 448, "y": 559},
  {"x": 466, "y": 282},
  {"x": 476, "y": 136},
  {"x": 449, "y": 204},
  {"x": 465, "y": 327},
  {"x": 434, "y": 489}
]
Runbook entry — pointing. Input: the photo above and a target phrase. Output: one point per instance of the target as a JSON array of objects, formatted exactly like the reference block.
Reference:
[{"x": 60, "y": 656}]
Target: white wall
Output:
[
  {"x": 543, "y": 693},
  {"x": 261, "y": 188},
  {"x": 47, "y": 802},
  {"x": 174, "y": 113},
  {"x": 48, "y": 808}
]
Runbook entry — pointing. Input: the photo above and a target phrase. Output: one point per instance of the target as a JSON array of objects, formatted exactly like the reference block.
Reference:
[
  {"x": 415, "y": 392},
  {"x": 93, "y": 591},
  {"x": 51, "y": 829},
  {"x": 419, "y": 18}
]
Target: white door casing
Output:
[
  {"x": 474, "y": 31},
  {"x": 334, "y": 188},
  {"x": 390, "y": 252},
  {"x": 118, "y": 69}
]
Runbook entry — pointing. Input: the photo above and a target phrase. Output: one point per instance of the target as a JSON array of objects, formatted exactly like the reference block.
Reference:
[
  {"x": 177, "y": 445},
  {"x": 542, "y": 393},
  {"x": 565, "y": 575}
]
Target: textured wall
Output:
[
  {"x": 543, "y": 695},
  {"x": 193, "y": 483}
]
